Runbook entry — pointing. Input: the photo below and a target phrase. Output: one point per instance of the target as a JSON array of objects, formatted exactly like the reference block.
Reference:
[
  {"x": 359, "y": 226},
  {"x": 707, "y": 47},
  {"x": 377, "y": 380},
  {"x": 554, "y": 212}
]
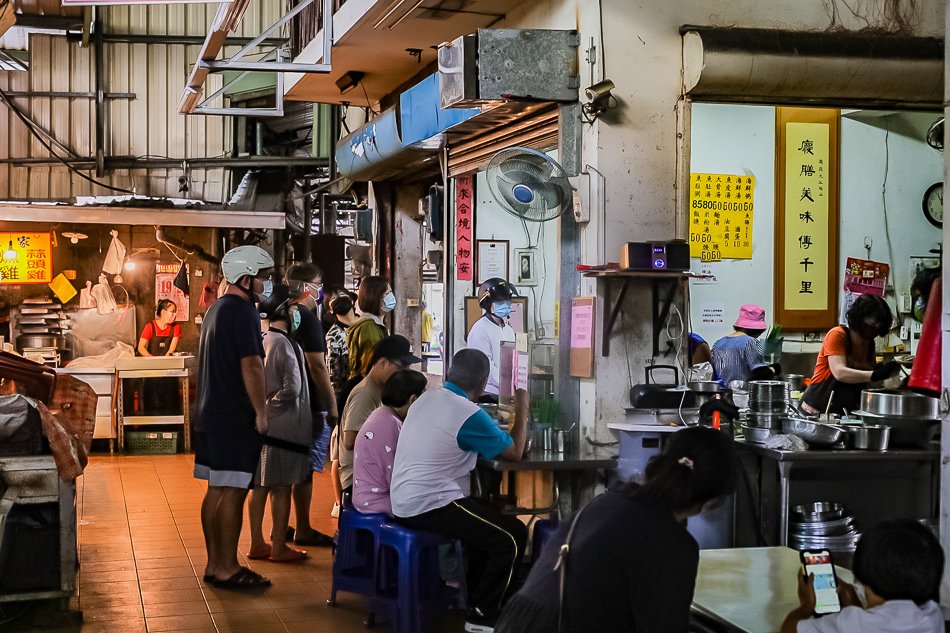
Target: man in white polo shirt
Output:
[{"x": 441, "y": 439}]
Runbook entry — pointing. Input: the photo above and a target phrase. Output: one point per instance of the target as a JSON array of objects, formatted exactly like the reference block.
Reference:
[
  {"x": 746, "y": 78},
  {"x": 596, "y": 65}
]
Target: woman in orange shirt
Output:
[{"x": 846, "y": 362}]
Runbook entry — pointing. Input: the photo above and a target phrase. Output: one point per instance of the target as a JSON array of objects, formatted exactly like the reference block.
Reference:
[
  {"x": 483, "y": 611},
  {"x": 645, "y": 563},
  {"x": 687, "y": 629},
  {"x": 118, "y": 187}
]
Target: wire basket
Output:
[{"x": 151, "y": 442}]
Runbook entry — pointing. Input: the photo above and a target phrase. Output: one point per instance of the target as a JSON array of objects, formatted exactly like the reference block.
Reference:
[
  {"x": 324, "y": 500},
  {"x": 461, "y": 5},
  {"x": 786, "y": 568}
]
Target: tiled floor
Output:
[{"x": 142, "y": 555}]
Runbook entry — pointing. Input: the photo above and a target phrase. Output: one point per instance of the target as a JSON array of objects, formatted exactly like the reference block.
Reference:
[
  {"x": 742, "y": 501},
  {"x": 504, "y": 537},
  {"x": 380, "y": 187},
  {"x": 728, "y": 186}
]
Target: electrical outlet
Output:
[
  {"x": 916, "y": 327},
  {"x": 412, "y": 303},
  {"x": 905, "y": 333}
]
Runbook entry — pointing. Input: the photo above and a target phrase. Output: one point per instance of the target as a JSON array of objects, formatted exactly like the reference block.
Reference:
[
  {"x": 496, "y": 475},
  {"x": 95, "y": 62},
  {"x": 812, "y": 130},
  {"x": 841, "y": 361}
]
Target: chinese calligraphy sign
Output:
[
  {"x": 33, "y": 263},
  {"x": 464, "y": 221},
  {"x": 807, "y": 237},
  {"x": 720, "y": 216}
]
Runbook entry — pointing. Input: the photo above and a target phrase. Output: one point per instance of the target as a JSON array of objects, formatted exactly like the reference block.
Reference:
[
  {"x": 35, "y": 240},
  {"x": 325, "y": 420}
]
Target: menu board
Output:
[
  {"x": 26, "y": 258},
  {"x": 720, "y": 216}
]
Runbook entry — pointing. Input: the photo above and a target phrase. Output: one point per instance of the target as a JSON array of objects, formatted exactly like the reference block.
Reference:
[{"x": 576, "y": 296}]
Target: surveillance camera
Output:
[{"x": 600, "y": 90}]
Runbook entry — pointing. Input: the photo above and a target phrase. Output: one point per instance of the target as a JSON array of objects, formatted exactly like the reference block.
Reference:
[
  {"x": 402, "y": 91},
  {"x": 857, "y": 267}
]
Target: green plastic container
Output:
[{"x": 151, "y": 442}]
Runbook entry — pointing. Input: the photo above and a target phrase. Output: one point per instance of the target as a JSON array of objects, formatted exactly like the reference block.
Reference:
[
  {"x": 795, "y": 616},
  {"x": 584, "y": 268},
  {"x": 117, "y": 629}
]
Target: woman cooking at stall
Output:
[
  {"x": 739, "y": 356},
  {"x": 846, "y": 362},
  {"x": 160, "y": 336}
]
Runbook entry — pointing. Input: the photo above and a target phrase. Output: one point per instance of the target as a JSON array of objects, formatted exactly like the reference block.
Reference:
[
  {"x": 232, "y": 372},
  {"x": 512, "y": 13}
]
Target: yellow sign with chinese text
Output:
[
  {"x": 720, "y": 216},
  {"x": 807, "y": 160},
  {"x": 27, "y": 258}
]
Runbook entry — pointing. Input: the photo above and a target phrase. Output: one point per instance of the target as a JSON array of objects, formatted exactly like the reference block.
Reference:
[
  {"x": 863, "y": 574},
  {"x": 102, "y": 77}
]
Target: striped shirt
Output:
[{"x": 735, "y": 357}]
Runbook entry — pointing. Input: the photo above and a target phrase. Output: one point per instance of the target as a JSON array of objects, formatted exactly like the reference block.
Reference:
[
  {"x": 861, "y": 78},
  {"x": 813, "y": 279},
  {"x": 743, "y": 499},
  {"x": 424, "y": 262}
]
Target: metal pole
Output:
[
  {"x": 100, "y": 98},
  {"x": 307, "y": 226}
]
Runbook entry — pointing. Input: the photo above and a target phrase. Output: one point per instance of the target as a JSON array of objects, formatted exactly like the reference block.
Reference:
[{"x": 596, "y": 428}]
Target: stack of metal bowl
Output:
[
  {"x": 768, "y": 405},
  {"x": 822, "y": 525},
  {"x": 914, "y": 419}
]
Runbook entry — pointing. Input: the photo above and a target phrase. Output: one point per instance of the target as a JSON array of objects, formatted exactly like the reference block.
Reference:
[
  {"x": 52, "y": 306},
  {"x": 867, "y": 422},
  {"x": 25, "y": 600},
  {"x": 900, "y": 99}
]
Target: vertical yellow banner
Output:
[{"x": 807, "y": 247}]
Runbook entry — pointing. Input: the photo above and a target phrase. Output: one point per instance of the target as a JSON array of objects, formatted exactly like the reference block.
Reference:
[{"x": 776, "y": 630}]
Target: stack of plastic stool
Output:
[
  {"x": 409, "y": 588},
  {"x": 544, "y": 530},
  {"x": 354, "y": 564}
]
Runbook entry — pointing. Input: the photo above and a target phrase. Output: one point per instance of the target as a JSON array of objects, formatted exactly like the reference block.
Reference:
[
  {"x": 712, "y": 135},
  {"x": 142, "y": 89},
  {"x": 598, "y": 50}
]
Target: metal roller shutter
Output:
[{"x": 537, "y": 130}]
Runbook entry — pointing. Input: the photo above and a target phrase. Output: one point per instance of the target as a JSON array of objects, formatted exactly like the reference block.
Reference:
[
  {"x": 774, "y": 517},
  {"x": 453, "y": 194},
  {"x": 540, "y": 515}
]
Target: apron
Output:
[
  {"x": 846, "y": 395},
  {"x": 158, "y": 345}
]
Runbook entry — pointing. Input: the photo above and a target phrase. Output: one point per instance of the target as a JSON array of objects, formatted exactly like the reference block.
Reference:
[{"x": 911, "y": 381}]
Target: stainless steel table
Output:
[
  {"x": 586, "y": 459},
  {"x": 899, "y": 482},
  {"x": 747, "y": 590}
]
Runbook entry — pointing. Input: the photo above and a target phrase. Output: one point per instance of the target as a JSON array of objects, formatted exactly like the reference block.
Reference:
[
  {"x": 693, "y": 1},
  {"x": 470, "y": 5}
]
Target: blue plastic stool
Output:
[
  {"x": 354, "y": 563},
  {"x": 409, "y": 588},
  {"x": 544, "y": 531}
]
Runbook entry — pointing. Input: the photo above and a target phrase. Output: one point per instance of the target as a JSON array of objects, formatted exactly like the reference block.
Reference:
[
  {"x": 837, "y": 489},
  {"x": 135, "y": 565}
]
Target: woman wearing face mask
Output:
[
  {"x": 492, "y": 329},
  {"x": 375, "y": 299},
  {"x": 846, "y": 362},
  {"x": 285, "y": 456}
]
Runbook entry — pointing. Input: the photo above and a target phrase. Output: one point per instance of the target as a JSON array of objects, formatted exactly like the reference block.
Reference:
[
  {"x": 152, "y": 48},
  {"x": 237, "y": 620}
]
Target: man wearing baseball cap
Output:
[{"x": 389, "y": 356}]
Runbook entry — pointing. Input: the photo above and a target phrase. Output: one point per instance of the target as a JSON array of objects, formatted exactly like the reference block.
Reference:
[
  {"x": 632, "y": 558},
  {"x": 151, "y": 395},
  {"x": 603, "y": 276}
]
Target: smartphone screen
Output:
[{"x": 826, "y": 588}]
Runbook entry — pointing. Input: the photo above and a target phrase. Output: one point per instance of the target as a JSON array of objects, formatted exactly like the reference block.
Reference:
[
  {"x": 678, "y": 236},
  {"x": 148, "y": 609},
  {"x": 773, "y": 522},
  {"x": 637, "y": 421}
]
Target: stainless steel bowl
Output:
[
  {"x": 831, "y": 527},
  {"x": 814, "y": 433},
  {"x": 769, "y": 406},
  {"x": 870, "y": 437},
  {"x": 706, "y": 386},
  {"x": 768, "y": 390},
  {"x": 756, "y": 435},
  {"x": 761, "y": 420},
  {"x": 817, "y": 511},
  {"x": 893, "y": 403},
  {"x": 914, "y": 432},
  {"x": 796, "y": 382}
]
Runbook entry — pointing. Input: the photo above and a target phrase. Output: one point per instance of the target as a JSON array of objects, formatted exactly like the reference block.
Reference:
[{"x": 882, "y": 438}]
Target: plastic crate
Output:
[{"x": 151, "y": 442}]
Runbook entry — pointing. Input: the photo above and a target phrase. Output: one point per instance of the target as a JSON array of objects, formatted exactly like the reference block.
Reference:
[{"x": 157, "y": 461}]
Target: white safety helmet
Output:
[{"x": 245, "y": 260}]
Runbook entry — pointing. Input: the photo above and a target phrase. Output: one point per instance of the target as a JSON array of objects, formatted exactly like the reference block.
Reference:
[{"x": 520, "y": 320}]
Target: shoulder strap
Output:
[{"x": 561, "y": 566}]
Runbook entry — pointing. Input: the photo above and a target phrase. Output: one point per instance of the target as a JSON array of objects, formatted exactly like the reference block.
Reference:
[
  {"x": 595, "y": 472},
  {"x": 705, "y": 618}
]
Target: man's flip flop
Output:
[
  {"x": 243, "y": 578},
  {"x": 208, "y": 579}
]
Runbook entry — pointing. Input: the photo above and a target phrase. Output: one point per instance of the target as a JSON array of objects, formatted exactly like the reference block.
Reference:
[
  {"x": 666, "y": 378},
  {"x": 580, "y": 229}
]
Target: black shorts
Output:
[{"x": 228, "y": 458}]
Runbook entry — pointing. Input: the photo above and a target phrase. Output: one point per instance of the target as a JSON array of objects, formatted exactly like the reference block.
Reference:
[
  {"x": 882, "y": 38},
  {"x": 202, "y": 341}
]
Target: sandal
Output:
[
  {"x": 243, "y": 578},
  {"x": 319, "y": 539},
  {"x": 208, "y": 579}
]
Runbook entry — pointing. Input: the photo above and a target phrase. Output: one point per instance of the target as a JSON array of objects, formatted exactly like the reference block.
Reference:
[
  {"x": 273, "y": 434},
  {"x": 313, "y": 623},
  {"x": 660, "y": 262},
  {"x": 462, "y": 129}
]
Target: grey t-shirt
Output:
[{"x": 365, "y": 398}]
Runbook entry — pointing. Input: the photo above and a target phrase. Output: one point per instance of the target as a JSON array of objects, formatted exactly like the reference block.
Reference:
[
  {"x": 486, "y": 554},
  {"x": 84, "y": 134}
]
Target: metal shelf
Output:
[
  {"x": 143, "y": 420},
  {"x": 668, "y": 281}
]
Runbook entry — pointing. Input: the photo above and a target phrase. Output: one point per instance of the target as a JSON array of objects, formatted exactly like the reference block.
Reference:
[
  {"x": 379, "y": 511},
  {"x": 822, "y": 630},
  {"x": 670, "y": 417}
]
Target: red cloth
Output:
[
  {"x": 151, "y": 329},
  {"x": 926, "y": 373}
]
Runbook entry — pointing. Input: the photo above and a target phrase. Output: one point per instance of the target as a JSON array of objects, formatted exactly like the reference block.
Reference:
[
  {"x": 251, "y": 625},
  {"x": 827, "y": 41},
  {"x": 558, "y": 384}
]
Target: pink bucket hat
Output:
[{"x": 751, "y": 317}]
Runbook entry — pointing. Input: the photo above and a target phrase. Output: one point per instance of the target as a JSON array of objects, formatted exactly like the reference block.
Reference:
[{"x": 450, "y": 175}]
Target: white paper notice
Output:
[
  {"x": 713, "y": 314},
  {"x": 521, "y": 382}
]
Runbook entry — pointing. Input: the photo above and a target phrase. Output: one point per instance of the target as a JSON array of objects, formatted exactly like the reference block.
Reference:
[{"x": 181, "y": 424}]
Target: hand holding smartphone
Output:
[{"x": 819, "y": 563}]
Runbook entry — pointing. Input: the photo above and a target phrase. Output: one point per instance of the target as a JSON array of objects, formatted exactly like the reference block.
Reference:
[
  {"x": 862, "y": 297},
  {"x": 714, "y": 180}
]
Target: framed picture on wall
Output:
[
  {"x": 525, "y": 268},
  {"x": 491, "y": 260}
]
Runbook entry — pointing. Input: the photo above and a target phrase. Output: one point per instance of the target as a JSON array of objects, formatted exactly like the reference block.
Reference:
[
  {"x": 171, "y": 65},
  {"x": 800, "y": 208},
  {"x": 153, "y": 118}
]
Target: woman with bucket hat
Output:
[{"x": 739, "y": 355}]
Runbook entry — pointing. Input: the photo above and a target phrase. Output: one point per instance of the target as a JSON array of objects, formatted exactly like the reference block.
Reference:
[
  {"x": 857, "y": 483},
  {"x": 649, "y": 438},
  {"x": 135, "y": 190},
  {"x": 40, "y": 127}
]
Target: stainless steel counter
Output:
[{"x": 893, "y": 483}]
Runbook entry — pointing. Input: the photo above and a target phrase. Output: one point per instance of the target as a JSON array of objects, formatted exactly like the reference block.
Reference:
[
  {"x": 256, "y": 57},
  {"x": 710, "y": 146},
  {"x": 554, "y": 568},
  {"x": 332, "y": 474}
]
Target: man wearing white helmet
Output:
[{"x": 230, "y": 412}]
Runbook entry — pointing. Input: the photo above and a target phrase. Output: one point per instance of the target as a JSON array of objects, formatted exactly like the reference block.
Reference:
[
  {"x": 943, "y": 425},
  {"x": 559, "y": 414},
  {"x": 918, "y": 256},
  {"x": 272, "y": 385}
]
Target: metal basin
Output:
[
  {"x": 870, "y": 437},
  {"x": 756, "y": 435},
  {"x": 892, "y": 403},
  {"x": 818, "y": 511},
  {"x": 914, "y": 432},
  {"x": 814, "y": 433},
  {"x": 762, "y": 420}
]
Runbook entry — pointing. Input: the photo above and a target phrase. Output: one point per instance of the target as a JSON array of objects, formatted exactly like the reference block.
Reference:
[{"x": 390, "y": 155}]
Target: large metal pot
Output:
[
  {"x": 55, "y": 341},
  {"x": 817, "y": 511},
  {"x": 814, "y": 433},
  {"x": 891, "y": 403},
  {"x": 768, "y": 390}
]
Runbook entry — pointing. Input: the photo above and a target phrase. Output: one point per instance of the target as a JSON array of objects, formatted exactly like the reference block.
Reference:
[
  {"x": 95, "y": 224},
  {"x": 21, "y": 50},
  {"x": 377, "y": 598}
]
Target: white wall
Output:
[
  {"x": 493, "y": 222},
  {"x": 740, "y": 139},
  {"x": 635, "y": 146}
]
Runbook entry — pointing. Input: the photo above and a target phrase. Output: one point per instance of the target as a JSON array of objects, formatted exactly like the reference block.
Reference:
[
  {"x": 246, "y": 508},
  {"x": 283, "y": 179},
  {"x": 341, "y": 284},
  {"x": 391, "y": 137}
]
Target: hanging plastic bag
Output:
[
  {"x": 115, "y": 257},
  {"x": 86, "y": 299},
  {"x": 181, "y": 279},
  {"x": 102, "y": 294}
]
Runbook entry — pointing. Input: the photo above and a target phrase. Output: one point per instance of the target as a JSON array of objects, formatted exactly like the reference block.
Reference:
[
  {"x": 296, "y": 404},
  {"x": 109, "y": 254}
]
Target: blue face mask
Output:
[
  {"x": 919, "y": 309},
  {"x": 501, "y": 309},
  {"x": 295, "y": 321},
  {"x": 389, "y": 302},
  {"x": 268, "y": 288}
]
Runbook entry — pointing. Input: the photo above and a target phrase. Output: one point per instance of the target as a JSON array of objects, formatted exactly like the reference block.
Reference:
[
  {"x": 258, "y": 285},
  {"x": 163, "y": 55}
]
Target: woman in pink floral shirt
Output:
[{"x": 375, "y": 449}]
